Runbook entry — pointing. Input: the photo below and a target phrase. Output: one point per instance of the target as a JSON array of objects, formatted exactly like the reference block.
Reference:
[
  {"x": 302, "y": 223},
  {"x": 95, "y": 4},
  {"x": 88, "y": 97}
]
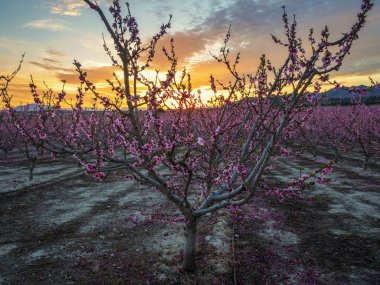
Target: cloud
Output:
[
  {"x": 253, "y": 21},
  {"x": 54, "y": 52},
  {"x": 49, "y": 60},
  {"x": 185, "y": 46},
  {"x": 68, "y": 8},
  {"x": 73, "y": 7},
  {"x": 95, "y": 74},
  {"x": 51, "y": 65},
  {"x": 46, "y": 24}
]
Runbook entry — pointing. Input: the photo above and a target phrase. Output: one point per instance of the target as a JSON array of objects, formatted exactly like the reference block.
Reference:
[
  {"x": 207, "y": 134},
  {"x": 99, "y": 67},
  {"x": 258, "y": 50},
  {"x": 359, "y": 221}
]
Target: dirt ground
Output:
[{"x": 65, "y": 228}]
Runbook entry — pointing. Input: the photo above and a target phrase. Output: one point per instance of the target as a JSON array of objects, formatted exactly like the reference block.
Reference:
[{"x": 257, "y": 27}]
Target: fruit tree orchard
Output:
[{"x": 202, "y": 157}]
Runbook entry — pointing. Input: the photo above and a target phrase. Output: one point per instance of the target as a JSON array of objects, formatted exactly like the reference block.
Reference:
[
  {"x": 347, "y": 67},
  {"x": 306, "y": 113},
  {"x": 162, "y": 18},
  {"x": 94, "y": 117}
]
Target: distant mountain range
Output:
[
  {"x": 344, "y": 97},
  {"x": 342, "y": 93},
  {"x": 27, "y": 108}
]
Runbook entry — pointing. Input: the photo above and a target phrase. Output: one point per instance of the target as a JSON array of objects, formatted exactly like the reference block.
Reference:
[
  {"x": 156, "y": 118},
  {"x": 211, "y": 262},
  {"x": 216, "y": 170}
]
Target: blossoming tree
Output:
[{"x": 201, "y": 156}]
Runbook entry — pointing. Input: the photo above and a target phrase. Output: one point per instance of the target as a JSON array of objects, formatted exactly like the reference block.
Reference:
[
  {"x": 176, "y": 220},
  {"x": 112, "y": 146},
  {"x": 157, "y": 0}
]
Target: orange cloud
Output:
[{"x": 95, "y": 74}]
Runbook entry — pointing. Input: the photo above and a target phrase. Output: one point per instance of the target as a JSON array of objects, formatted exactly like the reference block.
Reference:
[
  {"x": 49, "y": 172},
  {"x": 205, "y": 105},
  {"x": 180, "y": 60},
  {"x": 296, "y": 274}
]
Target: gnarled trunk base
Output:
[{"x": 190, "y": 245}]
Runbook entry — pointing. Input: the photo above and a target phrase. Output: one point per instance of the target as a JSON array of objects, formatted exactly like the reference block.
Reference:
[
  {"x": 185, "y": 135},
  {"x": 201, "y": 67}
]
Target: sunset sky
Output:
[{"x": 54, "y": 33}]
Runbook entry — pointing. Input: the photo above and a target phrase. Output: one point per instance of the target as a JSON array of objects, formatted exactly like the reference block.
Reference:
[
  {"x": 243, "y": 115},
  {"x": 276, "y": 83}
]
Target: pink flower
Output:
[
  {"x": 200, "y": 141},
  {"x": 284, "y": 152}
]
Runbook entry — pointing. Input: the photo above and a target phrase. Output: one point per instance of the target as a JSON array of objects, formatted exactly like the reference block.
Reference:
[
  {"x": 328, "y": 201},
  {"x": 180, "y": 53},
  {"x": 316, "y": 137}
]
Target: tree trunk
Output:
[
  {"x": 336, "y": 155},
  {"x": 190, "y": 242},
  {"x": 365, "y": 163},
  {"x": 32, "y": 164}
]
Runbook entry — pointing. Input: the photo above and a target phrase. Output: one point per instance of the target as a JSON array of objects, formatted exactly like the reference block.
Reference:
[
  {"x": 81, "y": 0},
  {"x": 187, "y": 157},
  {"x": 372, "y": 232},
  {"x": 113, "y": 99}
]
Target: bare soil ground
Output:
[
  {"x": 65, "y": 228},
  {"x": 333, "y": 239}
]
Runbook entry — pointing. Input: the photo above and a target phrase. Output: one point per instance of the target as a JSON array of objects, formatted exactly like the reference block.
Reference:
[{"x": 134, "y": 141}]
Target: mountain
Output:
[
  {"x": 342, "y": 93},
  {"x": 27, "y": 108},
  {"x": 344, "y": 97}
]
